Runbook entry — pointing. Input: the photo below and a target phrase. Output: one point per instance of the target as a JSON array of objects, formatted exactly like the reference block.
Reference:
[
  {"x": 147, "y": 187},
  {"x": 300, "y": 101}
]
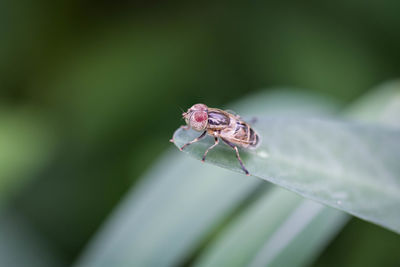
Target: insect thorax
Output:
[{"x": 217, "y": 120}]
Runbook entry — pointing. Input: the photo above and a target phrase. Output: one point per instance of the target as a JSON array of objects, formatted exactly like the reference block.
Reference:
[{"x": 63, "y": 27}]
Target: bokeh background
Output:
[{"x": 91, "y": 92}]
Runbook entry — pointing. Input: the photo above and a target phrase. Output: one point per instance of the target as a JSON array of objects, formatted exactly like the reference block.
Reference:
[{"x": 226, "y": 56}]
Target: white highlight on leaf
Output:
[
  {"x": 295, "y": 223},
  {"x": 262, "y": 154}
]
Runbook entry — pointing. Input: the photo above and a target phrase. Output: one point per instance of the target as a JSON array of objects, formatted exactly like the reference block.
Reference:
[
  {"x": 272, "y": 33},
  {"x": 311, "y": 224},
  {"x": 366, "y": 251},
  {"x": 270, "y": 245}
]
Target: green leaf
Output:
[
  {"x": 296, "y": 232},
  {"x": 279, "y": 229},
  {"x": 381, "y": 105},
  {"x": 180, "y": 204},
  {"x": 168, "y": 214},
  {"x": 346, "y": 165},
  {"x": 22, "y": 246},
  {"x": 26, "y": 142}
]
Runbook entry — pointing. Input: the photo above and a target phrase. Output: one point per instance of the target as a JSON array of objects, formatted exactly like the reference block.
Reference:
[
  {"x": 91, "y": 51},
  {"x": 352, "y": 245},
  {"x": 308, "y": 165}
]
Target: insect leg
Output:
[
  {"x": 211, "y": 147},
  {"x": 194, "y": 140},
  {"x": 184, "y": 127},
  {"x": 237, "y": 155}
]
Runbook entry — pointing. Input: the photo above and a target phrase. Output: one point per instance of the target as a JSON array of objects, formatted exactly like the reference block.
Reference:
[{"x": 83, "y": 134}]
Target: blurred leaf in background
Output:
[
  {"x": 27, "y": 143},
  {"x": 181, "y": 207},
  {"x": 165, "y": 211},
  {"x": 22, "y": 246}
]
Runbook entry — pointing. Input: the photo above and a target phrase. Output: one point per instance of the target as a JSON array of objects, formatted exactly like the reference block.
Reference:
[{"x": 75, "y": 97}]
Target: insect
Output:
[{"x": 220, "y": 124}]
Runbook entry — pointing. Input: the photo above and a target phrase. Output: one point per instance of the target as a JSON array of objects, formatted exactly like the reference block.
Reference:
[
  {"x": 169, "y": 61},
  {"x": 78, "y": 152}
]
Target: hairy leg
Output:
[
  {"x": 211, "y": 147},
  {"x": 237, "y": 155},
  {"x": 194, "y": 140}
]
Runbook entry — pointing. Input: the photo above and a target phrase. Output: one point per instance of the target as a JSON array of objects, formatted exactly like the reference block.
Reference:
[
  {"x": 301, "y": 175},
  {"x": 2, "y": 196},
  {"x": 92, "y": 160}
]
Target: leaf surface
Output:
[
  {"x": 347, "y": 165},
  {"x": 179, "y": 204}
]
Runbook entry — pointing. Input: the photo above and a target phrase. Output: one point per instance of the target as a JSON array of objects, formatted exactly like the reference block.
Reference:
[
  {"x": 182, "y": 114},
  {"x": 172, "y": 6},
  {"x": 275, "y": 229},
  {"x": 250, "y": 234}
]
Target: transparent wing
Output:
[{"x": 233, "y": 113}]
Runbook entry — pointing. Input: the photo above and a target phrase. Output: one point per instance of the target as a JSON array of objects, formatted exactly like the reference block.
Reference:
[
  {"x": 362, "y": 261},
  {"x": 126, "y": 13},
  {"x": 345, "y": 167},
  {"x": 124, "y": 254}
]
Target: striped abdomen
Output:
[{"x": 245, "y": 135}]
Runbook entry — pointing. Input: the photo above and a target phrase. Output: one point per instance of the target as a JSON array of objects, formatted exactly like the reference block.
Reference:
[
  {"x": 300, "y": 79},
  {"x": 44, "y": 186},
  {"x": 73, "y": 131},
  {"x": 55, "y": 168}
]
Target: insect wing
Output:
[{"x": 235, "y": 114}]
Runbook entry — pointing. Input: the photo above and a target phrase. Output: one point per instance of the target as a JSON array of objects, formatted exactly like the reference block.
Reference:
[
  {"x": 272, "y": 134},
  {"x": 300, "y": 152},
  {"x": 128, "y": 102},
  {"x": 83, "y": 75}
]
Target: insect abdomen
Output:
[
  {"x": 246, "y": 134},
  {"x": 254, "y": 139}
]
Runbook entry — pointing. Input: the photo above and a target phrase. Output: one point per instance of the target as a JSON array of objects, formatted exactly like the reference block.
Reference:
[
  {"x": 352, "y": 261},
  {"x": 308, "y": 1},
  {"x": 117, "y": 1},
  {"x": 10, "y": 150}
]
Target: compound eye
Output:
[
  {"x": 200, "y": 116},
  {"x": 199, "y": 120}
]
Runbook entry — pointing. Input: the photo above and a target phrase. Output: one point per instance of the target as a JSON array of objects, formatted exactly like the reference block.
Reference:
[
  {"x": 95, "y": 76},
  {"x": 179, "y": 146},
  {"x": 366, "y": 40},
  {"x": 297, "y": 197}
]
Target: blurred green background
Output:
[{"x": 91, "y": 92}]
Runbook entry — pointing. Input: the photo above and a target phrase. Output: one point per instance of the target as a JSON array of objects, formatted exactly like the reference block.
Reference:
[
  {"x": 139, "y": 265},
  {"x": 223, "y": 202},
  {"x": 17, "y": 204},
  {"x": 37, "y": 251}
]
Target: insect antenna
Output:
[{"x": 182, "y": 111}]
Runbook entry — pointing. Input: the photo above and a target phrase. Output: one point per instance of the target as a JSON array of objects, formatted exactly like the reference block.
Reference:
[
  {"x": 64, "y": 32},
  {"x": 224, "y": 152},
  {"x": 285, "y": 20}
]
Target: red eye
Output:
[{"x": 200, "y": 116}]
